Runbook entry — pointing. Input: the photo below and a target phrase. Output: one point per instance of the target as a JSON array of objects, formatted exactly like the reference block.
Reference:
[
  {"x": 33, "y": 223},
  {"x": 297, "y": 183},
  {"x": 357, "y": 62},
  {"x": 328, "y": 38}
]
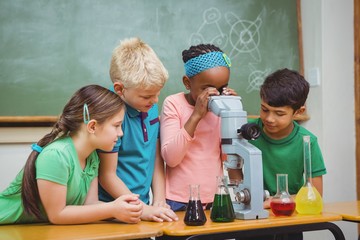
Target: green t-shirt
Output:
[
  {"x": 59, "y": 163},
  {"x": 286, "y": 156}
]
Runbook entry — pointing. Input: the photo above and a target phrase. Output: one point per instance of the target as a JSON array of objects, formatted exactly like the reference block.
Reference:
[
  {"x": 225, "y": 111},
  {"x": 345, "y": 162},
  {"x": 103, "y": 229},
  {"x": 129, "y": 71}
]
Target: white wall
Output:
[
  {"x": 14, "y": 150},
  {"x": 328, "y": 45},
  {"x": 328, "y": 34}
]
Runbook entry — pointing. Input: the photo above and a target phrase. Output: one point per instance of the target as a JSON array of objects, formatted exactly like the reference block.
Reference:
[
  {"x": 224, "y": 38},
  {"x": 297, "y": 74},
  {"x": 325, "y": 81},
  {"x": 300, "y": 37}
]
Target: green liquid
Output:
[{"x": 222, "y": 209}]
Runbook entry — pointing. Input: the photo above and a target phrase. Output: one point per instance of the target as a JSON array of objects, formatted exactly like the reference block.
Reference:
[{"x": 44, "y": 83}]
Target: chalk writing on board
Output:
[
  {"x": 243, "y": 37},
  {"x": 51, "y": 48},
  {"x": 211, "y": 16},
  {"x": 256, "y": 78}
]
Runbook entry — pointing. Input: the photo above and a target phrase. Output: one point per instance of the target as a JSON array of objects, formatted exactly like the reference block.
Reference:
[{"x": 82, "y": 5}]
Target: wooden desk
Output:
[
  {"x": 350, "y": 211},
  {"x": 248, "y": 228},
  {"x": 174, "y": 230},
  {"x": 100, "y": 230}
]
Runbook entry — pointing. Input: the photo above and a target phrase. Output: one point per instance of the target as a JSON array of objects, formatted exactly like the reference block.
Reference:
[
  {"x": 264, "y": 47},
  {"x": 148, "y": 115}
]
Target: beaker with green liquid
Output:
[
  {"x": 222, "y": 209},
  {"x": 308, "y": 200}
]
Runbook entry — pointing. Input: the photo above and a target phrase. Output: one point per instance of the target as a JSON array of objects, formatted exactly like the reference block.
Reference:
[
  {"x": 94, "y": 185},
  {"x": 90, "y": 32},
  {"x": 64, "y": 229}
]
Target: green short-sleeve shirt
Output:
[
  {"x": 59, "y": 163},
  {"x": 286, "y": 156}
]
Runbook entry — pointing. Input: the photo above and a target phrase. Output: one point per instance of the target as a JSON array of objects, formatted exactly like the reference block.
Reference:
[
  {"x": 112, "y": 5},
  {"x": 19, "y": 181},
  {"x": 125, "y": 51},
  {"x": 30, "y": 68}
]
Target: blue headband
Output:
[{"x": 209, "y": 60}]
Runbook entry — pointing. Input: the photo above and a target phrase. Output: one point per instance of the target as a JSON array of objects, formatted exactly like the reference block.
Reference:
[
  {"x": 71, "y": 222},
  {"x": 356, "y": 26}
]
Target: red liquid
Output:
[{"x": 282, "y": 209}]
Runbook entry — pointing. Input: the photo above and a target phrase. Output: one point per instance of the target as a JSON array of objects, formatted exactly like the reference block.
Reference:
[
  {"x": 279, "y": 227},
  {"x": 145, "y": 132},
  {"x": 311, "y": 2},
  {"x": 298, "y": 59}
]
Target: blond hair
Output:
[{"x": 135, "y": 64}]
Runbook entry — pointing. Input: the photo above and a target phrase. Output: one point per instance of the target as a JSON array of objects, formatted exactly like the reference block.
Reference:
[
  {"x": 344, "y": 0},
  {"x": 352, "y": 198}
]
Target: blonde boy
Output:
[{"x": 135, "y": 164}]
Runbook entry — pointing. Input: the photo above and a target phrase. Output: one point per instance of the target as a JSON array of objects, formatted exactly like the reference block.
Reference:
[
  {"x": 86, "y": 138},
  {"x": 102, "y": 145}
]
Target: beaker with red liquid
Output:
[{"x": 282, "y": 203}]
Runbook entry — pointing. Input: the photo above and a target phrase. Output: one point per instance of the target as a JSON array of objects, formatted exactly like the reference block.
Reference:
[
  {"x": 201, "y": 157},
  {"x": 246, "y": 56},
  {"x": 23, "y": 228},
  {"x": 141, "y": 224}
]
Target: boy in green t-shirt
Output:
[{"x": 283, "y": 95}]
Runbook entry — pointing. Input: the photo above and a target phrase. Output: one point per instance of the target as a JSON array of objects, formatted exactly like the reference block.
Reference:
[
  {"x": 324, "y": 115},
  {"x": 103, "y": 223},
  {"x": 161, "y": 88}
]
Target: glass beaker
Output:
[
  {"x": 222, "y": 209},
  {"x": 282, "y": 203},
  {"x": 195, "y": 215},
  {"x": 308, "y": 199}
]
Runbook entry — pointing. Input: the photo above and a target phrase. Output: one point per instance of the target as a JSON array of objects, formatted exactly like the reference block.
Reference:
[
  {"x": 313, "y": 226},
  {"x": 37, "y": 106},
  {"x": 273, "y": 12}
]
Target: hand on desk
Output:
[
  {"x": 267, "y": 203},
  {"x": 161, "y": 204},
  {"x": 128, "y": 208},
  {"x": 158, "y": 214}
]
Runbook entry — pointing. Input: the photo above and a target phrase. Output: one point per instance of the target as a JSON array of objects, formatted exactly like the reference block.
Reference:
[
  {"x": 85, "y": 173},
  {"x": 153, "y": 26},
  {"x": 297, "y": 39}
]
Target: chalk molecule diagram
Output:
[{"x": 242, "y": 38}]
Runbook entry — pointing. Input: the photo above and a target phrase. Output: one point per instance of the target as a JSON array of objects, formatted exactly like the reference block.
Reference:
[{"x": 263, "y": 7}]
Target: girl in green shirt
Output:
[{"x": 59, "y": 181}]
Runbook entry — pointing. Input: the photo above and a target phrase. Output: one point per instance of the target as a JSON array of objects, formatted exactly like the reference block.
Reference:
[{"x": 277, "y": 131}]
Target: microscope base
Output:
[{"x": 245, "y": 213}]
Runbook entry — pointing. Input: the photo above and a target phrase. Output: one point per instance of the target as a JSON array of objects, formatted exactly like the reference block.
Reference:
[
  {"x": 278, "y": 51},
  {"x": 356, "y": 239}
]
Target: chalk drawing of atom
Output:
[
  {"x": 256, "y": 79},
  {"x": 211, "y": 18},
  {"x": 244, "y": 36}
]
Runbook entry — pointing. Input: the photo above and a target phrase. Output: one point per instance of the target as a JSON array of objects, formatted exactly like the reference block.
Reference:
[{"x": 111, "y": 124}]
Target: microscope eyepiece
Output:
[{"x": 249, "y": 131}]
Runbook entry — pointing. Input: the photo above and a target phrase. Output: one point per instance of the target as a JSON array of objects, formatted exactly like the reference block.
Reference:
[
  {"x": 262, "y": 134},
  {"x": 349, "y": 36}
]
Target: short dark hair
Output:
[{"x": 285, "y": 87}]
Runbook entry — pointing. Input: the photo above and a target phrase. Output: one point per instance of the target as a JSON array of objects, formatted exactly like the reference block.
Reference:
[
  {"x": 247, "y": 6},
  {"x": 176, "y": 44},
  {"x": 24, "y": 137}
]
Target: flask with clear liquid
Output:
[
  {"x": 195, "y": 215},
  {"x": 282, "y": 203},
  {"x": 222, "y": 209},
  {"x": 308, "y": 200}
]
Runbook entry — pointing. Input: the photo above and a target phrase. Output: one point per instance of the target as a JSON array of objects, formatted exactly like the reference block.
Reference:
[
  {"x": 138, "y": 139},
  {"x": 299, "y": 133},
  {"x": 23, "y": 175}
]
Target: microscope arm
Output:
[{"x": 235, "y": 132}]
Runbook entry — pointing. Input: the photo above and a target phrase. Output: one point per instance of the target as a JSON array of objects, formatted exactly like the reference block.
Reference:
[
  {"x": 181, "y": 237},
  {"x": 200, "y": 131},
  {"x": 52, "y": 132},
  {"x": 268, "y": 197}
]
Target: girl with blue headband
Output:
[
  {"x": 59, "y": 181},
  {"x": 190, "y": 134}
]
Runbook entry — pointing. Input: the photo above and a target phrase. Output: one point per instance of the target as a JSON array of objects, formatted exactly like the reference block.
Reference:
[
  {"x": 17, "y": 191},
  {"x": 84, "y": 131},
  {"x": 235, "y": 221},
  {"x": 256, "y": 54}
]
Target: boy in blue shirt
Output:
[{"x": 135, "y": 164}]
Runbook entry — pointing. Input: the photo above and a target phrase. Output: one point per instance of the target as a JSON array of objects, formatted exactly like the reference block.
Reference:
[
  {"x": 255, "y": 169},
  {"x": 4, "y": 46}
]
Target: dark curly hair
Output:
[{"x": 195, "y": 51}]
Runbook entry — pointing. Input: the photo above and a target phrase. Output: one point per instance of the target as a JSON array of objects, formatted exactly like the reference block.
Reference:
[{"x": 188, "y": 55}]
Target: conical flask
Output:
[
  {"x": 308, "y": 200},
  {"x": 222, "y": 209},
  {"x": 282, "y": 203},
  {"x": 195, "y": 215}
]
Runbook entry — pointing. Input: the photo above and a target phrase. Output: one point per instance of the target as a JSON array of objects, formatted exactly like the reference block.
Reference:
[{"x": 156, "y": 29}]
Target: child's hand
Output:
[
  {"x": 228, "y": 91},
  {"x": 267, "y": 203},
  {"x": 201, "y": 105},
  {"x": 161, "y": 204},
  {"x": 158, "y": 214},
  {"x": 128, "y": 208}
]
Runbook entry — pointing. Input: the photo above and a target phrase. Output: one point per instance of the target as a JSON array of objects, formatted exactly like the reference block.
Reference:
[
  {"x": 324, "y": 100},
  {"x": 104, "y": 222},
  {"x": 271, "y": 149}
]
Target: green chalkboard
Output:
[{"x": 49, "y": 49}]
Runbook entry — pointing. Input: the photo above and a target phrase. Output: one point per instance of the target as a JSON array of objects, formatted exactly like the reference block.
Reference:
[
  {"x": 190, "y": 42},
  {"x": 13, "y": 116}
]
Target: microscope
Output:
[{"x": 235, "y": 133}]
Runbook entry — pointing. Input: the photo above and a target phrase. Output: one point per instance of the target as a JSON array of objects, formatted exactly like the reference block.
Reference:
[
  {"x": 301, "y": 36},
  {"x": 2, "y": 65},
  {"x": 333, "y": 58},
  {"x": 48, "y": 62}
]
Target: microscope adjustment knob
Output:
[
  {"x": 249, "y": 131},
  {"x": 243, "y": 196}
]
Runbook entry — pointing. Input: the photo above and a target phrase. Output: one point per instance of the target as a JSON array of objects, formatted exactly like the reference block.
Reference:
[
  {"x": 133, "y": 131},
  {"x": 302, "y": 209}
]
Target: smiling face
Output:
[
  {"x": 137, "y": 97},
  {"x": 278, "y": 121},
  {"x": 217, "y": 77}
]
